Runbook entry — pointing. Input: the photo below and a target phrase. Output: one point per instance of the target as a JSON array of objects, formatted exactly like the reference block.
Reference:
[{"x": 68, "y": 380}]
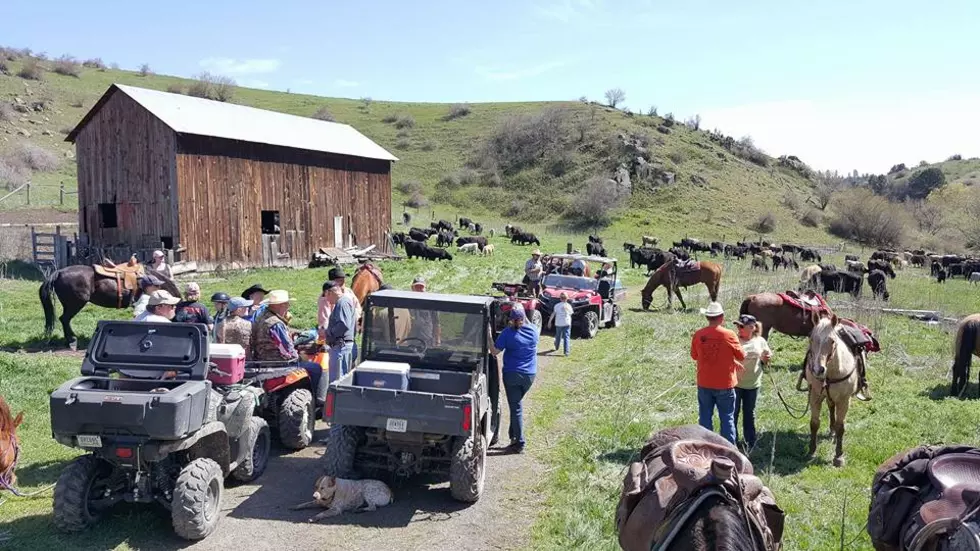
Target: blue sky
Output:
[{"x": 841, "y": 84}]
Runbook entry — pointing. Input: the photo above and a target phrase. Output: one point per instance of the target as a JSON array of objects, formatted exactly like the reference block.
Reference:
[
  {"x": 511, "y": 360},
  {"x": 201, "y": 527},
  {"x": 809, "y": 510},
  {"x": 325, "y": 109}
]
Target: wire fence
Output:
[{"x": 38, "y": 195}]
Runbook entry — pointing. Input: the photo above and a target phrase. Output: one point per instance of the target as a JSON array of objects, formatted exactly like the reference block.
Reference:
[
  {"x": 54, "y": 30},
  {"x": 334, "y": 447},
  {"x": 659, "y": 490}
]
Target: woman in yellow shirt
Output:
[{"x": 757, "y": 352}]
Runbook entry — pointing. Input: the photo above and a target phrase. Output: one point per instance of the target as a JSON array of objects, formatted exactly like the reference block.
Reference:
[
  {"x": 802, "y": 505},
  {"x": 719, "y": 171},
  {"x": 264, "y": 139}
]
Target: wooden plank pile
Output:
[{"x": 331, "y": 256}]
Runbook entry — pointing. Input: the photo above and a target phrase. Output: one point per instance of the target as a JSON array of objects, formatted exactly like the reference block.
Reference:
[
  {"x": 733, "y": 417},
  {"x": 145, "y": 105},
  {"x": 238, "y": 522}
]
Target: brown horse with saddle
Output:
[
  {"x": 107, "y": 285},
  {"x": 693, "y": 490},
  {"x": 927, "y": 499},
  {"x": 674, "y": 275}
]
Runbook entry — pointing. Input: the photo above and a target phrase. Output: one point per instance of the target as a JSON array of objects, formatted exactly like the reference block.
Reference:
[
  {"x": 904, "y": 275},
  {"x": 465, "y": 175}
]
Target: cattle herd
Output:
[{"x": 416, "y": 240}]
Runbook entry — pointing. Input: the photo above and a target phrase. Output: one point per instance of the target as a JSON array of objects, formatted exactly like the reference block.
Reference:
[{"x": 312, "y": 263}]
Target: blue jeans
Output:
[
  {"x": 563, "y": 333},
  {"x": 516, "y": 386},
  {"x": 339, "y": 364},
  {"x": 745, "y": 400},
  {"x": 708, "y": 399},
  {"x": 316, "y": 377}
]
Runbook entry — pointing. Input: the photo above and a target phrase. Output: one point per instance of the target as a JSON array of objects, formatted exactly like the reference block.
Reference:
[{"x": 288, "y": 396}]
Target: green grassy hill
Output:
[{"x": 714, "y": 193}]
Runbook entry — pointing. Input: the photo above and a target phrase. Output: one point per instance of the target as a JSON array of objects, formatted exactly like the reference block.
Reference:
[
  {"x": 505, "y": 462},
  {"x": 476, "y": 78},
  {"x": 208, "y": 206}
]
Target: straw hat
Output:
[
  {"x": 278, "y": 296},
  {"x": 713, "y": 310},
  {"x": 536, "y": 252},
  {"x": 162, "y": 297}
]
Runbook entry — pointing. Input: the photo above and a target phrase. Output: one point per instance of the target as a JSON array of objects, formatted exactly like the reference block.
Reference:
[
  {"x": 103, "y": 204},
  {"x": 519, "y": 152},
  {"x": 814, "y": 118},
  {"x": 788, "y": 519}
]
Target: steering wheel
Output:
[{"x": 418, "y": 349}]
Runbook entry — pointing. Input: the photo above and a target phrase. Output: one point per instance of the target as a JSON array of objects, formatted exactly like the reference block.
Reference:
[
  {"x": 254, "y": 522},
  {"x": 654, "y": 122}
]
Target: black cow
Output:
[
  {"x": 442, "y": 225},
  {"x": 444, "y": 239},
  {"x": 595, "y": 239},
  {"x": 957, "y": 269},
  {"x": 595, "y": 249},
  {"x": 737, "y": 252},
  {"x": 642, "y": 256},
  {"x": 784, "y": 261},
  {"x": 525, "y": 238},
  {"x": 464, "y": 222},
  {"x": 882, "y": 266},
  {"x": 840, "y": 282},
  {"x": 852, "y": 257},
  {"x": 940, "y": 274},
  {"x": 717, "y": 247},
  {"x": 406, "y": 218},
  {"x": 810, "y": 255},
  {"x": 876, "y": 280},
  {"x": 398, "y": 238},
  {"x": 792, "y": 249},
  {"x": 828, "y": 267},
  {"x": 418, "y": 235},
  {"x": 628, "y": 247},
  {"x": 479, "y": 240},
  {"x": 680, "y": 253},
  {"x": 759, "y": 262},
  {"x": 477, "y": 228},
  {"x": 415, "y": 249}
]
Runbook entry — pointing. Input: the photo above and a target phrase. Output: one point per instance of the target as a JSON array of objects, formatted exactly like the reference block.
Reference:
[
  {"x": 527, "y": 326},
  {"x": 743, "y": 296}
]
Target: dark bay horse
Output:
[
  {"x": 76, "y": 286},
  {"x": 775, "y": 313},
  {"x": 965, "y": 347},
  {"x": 673, "y": 279}
]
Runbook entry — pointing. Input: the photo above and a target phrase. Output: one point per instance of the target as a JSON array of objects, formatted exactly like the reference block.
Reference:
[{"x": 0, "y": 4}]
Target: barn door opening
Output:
[{"x": 338, "y": 232}]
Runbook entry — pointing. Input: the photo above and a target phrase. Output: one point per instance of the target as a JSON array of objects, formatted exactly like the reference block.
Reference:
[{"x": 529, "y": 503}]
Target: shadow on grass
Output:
[
  {"x": 940, "y": 392},
  {"x": 19, "y": 269},
  {"x": 41, "y": 473},
  {"x": 622, "y": 456},
  {"x": 791, "y": 452},
  {"x": 40, "y": 343},
  {"x": 139, "y": 527}
]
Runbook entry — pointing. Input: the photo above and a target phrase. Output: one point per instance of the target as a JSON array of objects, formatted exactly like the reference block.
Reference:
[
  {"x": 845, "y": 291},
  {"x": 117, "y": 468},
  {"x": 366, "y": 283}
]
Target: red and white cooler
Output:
[{"x": 230, "y": 361}]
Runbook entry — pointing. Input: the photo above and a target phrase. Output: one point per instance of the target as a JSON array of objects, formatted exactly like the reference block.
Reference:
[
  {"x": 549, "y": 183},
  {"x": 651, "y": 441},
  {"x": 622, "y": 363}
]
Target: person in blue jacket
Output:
[{"x": 519, "y": 344}]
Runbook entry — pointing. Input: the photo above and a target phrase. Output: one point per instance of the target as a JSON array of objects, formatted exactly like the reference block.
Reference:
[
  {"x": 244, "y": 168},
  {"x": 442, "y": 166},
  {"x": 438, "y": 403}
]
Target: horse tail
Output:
[
  {"x": 966, "y": 338},
  {"x": 47, "y": 302}
]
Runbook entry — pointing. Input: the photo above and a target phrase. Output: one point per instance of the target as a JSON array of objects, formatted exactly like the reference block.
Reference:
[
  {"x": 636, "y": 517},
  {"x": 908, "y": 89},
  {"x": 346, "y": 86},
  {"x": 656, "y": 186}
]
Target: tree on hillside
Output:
[
  {"x": 615, "y": 96},
  {"x": 868, "y": 219},
  {"x": 929, "y": 216},
  {"x": 878, "y": 183},
  {"x": 764, "y": 224},
  {"x": 823, "y": 193},
  {"x": 924, "y": 182},
  {"x": 597, "y": 200}
]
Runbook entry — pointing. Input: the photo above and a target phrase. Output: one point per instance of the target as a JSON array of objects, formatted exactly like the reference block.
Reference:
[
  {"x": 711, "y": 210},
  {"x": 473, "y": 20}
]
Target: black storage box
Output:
[{"x": 143, "y": 379}]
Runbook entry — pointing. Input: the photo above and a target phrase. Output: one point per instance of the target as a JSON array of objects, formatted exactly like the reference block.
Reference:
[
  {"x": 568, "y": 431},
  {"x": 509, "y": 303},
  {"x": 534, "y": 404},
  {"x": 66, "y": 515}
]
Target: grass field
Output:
[{"x": 592, "y": 411}]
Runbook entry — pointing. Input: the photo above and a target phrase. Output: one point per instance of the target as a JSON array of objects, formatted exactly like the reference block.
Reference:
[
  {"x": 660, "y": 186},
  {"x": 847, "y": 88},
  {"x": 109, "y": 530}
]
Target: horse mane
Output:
[
  {"x": 7, "y": 422},
  {"x": 716, "y": 524}
]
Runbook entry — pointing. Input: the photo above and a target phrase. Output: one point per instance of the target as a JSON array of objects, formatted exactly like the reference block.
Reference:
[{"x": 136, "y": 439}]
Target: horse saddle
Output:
[
  {"x": 126, "y": 276},
  {"x": 660, "y": 493},
  {"x": 684, "y": 266},
  {"x": 373, "y": 270},
  {"x": 957, "y": 477},
  {"x": 808, "y": 301}
]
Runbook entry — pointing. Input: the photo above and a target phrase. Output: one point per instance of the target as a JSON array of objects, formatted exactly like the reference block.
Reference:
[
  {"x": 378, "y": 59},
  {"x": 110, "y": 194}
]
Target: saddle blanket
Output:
[
  {"x": 857, "y": 335},
  {"x": 373, "y": 270},
  {"x": 808, "y": 302},
  {"x": 682, "y": 266}
]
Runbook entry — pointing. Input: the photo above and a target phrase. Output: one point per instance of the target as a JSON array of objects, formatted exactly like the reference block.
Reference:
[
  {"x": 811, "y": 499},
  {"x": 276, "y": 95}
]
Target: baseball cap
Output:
[
  {"x": 336, "y": 273},
  {"x": 419, "y": 280},
  {"x": 745, "y": 319},
  {"x": 239, "y": 302},
  {"x": 162, "y": 297},
  {"x": 517, "y": 314},
  {"x": 192, "y": 289},
  {"x": 330, "y": 284}
]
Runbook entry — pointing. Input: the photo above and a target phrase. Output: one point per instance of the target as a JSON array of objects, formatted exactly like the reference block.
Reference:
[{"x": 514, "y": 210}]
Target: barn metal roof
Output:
[{"x": 203, "y": 117}]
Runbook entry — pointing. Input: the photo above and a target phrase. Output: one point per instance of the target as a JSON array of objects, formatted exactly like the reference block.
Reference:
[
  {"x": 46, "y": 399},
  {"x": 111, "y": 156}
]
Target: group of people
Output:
[{"x": 729, "y": 372}]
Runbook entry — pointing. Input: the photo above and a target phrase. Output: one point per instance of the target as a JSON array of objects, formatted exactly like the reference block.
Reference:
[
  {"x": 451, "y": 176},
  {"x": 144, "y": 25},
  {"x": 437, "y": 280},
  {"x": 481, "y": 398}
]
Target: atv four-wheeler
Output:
[
  {"x": 515, "y": 295},
  {"x": 155, "y": 428},
  {"x": 595, "y": 300},
  {"x": 286, "y": 400}
]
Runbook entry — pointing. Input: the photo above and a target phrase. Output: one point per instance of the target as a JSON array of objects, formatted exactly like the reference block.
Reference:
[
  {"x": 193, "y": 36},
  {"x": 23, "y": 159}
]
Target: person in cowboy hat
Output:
[
  {"x": 160, "y": 308},
  {"x": 256, "y": 293},
  {"x": 271, "y": 341},
  {"x": 757, "y": 353},
  {"x": 338, "y": 334},
  {"x": 533, "y": 270},
  {"x": 718, "y": 355},
  {"x": 149, "y": 284},
  {"x": 234, "y": 328},
  {"x": 324, "y": 308}
]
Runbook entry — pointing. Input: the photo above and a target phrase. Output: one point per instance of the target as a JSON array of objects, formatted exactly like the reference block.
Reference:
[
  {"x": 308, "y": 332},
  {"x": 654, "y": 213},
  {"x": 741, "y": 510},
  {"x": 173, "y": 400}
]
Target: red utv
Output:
[
  {"x": 514, "y": 294},
  {"x": 595, "y": 294}
]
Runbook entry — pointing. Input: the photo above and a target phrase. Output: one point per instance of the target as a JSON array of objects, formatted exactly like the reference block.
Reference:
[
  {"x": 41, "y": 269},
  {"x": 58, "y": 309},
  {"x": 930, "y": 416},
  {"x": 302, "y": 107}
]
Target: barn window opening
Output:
[
  {"x": 270, "y": 222},
  {"x": 107, "y": 215},
  {"x": 167, "y": 241}
]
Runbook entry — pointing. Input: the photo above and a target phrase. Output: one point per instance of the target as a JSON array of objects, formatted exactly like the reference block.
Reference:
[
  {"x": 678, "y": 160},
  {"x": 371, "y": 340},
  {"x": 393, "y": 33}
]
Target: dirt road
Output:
[{"x": 423, "y": 515}]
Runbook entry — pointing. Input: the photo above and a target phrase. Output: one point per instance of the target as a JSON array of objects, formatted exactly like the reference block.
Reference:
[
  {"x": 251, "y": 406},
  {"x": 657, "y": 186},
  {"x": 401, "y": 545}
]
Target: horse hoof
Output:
[{"x": 839, "y": 461}]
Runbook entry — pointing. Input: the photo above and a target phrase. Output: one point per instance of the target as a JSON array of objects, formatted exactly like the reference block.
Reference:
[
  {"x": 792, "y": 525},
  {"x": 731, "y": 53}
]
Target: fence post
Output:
[
  {"x": 28, "y": 193},
  {"x": 61, "y": 194}
]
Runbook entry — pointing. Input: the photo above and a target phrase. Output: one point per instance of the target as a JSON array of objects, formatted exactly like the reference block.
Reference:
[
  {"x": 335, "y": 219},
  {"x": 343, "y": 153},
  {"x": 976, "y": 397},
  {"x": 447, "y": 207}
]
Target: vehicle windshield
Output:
[
  {"x": 571, "y": 282},
  {"x": 424, "y": 336}
]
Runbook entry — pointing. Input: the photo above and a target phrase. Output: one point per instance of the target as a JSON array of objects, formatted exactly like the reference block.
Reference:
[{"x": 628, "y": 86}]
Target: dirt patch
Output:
[
  {"x": 37, "y": 216},
  {"x": 422, "y": 516}
]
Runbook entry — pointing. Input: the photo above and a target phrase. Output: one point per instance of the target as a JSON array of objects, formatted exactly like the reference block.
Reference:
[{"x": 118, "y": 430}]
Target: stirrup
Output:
[{"x": 863, "y": 394}]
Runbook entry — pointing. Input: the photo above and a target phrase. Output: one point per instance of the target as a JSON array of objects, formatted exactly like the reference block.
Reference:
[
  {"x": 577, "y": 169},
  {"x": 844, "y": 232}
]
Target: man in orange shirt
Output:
[{"x": 718, "y": 355}]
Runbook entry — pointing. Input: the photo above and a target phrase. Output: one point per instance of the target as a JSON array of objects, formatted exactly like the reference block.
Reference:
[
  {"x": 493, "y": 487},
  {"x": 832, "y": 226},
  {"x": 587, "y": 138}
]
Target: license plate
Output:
[
  {"x": 89, "y": 441},
  {"x": 397, "y": 425}
]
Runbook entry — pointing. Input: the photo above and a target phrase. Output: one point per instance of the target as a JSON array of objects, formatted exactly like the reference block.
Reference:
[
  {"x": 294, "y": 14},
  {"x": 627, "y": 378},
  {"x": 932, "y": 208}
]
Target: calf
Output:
[
  {"x": 855, "y": 266},
  {"x": 975, "y": 278},
  {"x": 525, "y": 238},
  {"x": 876, "y": 280},
  {"x": 649, "y": 240},
  {"x": 941, "y": 275},
  {"x": 488, "y": 250},
  {"x": 415, "y": 249},
  {"x": 810, "y": 255},
  {"x": 398, "y": 238},
  {"x": 444, "y": 239},
  {"x": 415, "y": 234},
  {"x": 479, "y": 240},
  {"x": 628, "y": 247},
  {"x": 852, "y": 258},
  {"x": 471, "y": 248},
  {"x": 464, "y": 222},
  {"x": 477, "y": 228},
  {"x": 882, "y": 266},
  {"x": 759, "y": 263}
]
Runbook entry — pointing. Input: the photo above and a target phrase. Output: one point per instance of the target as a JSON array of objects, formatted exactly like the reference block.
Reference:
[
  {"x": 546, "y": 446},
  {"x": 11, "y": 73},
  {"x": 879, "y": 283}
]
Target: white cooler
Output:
[{"x": 390, "y": 375}]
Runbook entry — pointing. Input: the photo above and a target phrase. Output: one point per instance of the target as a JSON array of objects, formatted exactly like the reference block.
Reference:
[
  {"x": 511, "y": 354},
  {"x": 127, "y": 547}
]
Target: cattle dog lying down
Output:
[{"x": 338, "y": 495}]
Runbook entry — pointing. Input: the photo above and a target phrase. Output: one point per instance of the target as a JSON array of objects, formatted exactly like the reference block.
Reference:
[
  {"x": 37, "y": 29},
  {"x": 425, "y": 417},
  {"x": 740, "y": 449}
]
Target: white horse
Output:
[{"x": 831, "y": 371}]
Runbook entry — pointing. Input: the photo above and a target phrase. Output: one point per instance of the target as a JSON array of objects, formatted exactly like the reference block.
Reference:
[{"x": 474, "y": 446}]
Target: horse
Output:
[
  {"x": 775, "y": 313},
  {"x": 78, "y": 285},
  {"x": 673, "y": 278},
  {"x": 367, "y": 279},
  {"x": 9, "y": 446},
  {"x": 831, "y": 371},
  {"x": 693, "y": 490},
  {"x": 965, "y": 346}
]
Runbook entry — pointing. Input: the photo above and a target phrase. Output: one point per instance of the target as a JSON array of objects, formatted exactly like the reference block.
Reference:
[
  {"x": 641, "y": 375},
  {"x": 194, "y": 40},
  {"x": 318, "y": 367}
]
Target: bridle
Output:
[
  {"x": 7, "y": 476},
  {"x": 682, "y": 513}
]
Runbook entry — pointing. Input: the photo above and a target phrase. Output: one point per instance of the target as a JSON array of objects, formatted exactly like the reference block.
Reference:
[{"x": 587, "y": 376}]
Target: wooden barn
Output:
[{"x": 223, "y": 184}]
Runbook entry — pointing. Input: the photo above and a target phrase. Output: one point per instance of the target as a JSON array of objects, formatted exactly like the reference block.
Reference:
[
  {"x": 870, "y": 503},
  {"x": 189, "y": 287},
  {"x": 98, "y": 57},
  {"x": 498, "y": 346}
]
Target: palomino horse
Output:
[
  {"x": 831, "y": 371},
  {"x": 367, "y": 279},
  {"x": 9, "y": 446},
  {"x": 76, "y": 286},
  {"x": 673, "y": 278},
  {"x": 965, "y": 347},
  {"x": 693, "y": 490}
]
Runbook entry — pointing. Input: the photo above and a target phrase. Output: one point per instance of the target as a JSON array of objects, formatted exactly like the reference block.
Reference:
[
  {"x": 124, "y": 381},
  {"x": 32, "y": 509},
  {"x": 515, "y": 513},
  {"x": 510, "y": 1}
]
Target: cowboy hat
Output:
[
  {"x": 277, "y": 296},
  {"x": 247, "y": 293},
  {"x": 713, "y": 310},
  {"x": 336, "y": 273},
  {"x": 536, "y": 252},
  {"x": 162, "y": 297}
]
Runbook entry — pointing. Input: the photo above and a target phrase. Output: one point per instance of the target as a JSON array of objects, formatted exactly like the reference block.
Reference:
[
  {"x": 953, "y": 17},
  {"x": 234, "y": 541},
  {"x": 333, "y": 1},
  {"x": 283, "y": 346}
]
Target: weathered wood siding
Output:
[
  {"x": 127, "y": 157},
  {"x": 224, "y": 185}
]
